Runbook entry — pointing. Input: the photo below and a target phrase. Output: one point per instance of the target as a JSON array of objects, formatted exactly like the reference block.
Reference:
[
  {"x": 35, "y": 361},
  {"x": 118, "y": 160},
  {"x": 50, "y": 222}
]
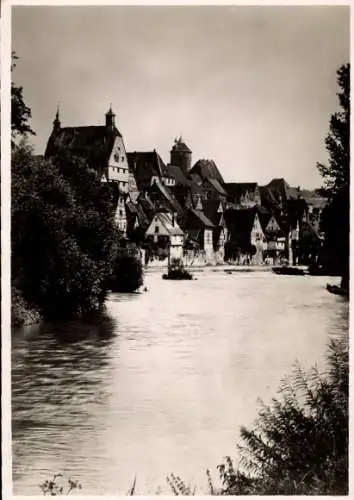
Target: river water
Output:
[{"x": 163, "y": 382}]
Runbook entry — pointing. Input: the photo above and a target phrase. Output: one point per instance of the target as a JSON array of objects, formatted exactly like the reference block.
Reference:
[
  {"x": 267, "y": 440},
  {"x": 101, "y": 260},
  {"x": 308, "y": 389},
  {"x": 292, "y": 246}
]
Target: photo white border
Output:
[{"x": 5, "y": 78}]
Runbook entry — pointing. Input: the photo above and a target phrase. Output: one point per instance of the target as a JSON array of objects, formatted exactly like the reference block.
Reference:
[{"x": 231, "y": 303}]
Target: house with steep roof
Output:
[
  {"x": 165, "y": 236},
  {"x": 214, "y": 210},
  {"x": 102, "y": 147},
  {"x": 242, "y": 195},
  {"x": 207, "y": 169},
  {"x": 147, "y": 167},
  {"x": 200, "y": 230},
  {"x": 247, "y": 242}
]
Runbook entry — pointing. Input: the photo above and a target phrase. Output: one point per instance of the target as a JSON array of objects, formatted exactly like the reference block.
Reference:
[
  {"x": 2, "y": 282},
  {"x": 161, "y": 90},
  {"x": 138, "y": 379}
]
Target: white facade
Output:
[
  {"x": 120, "y": 217},
  {"x": 118, "y": 169},
  {"x": 208, "y": 244}
]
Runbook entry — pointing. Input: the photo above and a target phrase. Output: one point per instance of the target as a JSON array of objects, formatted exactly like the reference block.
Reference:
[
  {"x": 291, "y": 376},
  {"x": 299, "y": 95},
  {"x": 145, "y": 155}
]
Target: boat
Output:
[
  {"x": 338, "y": 290},
  {"x": 319, "y": 270},
  {"x": 289, "y": 270}
]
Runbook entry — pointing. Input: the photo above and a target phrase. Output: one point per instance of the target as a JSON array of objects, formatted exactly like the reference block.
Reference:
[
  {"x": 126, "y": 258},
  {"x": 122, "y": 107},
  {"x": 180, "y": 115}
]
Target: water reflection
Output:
[{"x": 163, "y": 380}]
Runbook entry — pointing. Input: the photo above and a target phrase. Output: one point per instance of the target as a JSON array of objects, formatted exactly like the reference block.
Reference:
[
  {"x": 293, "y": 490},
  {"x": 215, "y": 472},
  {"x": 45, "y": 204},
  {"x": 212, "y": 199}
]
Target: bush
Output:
[
  {"x": 299, "y": 445},
  {"x": 63, "y": 234},
  {"x": 127, "y": 274}
]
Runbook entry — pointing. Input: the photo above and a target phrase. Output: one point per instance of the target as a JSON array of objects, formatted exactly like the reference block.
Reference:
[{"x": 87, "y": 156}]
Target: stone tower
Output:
[
  {"x": 181, "y": 156},
  {"x": 110, "y": 119}
]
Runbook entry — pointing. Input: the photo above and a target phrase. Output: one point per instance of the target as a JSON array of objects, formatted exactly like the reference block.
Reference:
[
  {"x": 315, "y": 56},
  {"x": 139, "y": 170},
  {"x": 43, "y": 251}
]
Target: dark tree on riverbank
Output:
[
  {"x": 299, "y": 445},
  {"x": 336, "y": 175},
  {"x": 63, "y": 236},
  {"x": 20, "y": 113}
]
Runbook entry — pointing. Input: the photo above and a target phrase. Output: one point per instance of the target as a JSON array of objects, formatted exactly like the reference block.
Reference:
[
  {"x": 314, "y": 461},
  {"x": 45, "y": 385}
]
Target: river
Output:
[{"x": 163, "y": 382}]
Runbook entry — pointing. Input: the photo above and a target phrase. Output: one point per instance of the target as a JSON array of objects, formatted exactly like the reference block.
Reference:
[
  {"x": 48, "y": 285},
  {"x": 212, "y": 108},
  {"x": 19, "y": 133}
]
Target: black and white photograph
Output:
[{"x": 179, "y": 282}]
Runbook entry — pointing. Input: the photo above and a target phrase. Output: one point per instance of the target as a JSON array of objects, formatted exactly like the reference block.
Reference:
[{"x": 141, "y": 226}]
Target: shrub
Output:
[
  {"x": 63, "y": 234},
  {"x": 127, "y": 274},
  {"x": 299, "y": 444}
]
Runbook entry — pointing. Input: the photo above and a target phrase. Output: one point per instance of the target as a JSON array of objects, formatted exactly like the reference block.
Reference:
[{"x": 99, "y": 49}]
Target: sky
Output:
[{"x": 252, "y": 88}]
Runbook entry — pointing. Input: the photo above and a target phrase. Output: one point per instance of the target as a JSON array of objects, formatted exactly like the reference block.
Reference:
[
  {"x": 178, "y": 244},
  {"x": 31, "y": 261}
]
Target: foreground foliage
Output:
[{"x": 299, "y": 444}]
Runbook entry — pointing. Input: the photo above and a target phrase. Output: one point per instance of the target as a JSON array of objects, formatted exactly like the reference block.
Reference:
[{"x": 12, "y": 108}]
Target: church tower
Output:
[
  {"x": 181, "y": 156},
  {"x": 110, "y": 119},
  {"x": 56, "y": 122}
]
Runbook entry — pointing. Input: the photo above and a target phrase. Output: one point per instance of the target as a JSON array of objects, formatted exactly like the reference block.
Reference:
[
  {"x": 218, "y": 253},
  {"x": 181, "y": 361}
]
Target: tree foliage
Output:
[
  {"x": 63, "y": 234},
  {"x": 20, "y": 113},
  {"x": 336, "y": 175},
  {"x": 299, "y": 444}
]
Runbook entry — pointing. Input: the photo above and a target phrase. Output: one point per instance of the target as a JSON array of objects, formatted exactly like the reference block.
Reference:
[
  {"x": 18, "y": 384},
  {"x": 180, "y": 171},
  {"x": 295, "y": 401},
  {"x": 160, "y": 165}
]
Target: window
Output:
[
  {"x": 116, "y": 157},
  {"x": 122, "y": 158},
  {"x": 120, "y": 213},
  {"x": 156, "y": 229}
]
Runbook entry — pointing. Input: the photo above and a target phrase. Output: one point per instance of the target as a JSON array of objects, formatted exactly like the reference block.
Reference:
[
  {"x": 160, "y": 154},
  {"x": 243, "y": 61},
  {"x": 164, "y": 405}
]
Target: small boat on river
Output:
[
  {"x": 289, "y": 270},
  {"x": 338, "y": 290}
]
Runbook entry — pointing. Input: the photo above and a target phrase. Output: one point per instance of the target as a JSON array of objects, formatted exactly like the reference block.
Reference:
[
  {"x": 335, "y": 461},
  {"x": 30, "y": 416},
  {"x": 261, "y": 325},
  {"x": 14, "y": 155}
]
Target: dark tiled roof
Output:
[
  {"x": 166, "y": 194},
  {"x": 236, "y": 189},
  {"x": 201, "y": 218},
  {"x": 207, "y": 169},
  {"x": 210, "y": 209},
  {"x": 267, "y": 196},
  {"x": 176, "y": 173},
  {"x": 93, "y": 143},
  {"x": 145, "y": 165},
  {"x": 240, "y": 223},
  {"x": 217, "y": 186},
  {"x": 280, "y": 187}
]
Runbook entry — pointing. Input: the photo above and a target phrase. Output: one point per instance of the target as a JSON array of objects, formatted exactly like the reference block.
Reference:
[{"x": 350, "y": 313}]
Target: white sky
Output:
[{"x": 250, "y": 87}]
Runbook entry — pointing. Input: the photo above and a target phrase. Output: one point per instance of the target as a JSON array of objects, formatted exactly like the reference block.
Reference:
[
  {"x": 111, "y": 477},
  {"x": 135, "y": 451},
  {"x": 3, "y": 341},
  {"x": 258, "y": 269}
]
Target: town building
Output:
[{"x": 102, "y": 147}]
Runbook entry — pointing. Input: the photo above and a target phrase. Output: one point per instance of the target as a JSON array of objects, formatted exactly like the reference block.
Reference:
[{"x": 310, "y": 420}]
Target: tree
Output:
[
  {"x": 336, "y": 173},
  {"x": 20, "y": 113},
  {"x": 63, "y": 239},
  {"x": 335, "y": 217}
]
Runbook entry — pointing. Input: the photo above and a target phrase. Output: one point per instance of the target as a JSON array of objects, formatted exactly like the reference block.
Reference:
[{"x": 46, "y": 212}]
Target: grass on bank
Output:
[{"x": 298, "y": 444}]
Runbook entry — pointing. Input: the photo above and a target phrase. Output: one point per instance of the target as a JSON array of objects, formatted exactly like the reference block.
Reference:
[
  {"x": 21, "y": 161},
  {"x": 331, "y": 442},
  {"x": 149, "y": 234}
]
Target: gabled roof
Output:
[
  {"x": 210, "y": 209},
  {"x": 280, "y": 187},
  {"x": 166, "y": 193},
  {"x": 240, "y": 222},
  {"x": 267, "y": 196},
  {"x": 169, "y": 223},
  {"x": 237, "y": 189},
  {"x": 217, "y": 186},
  {"x": 176, "y": 173},
  {"x": 199, "y": 219},
  {"x": 93, "y": 143},
  {"x": 207, "y": 169},
  {"x": 145, "y": 165}
]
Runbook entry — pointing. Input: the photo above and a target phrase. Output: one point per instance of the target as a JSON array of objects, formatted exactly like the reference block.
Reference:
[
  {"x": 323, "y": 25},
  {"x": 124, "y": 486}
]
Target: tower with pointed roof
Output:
[
  {"x": 181, "y": 156},
  {"x": 56, "y": 122},
  {"x": 110, "y": 119}
]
